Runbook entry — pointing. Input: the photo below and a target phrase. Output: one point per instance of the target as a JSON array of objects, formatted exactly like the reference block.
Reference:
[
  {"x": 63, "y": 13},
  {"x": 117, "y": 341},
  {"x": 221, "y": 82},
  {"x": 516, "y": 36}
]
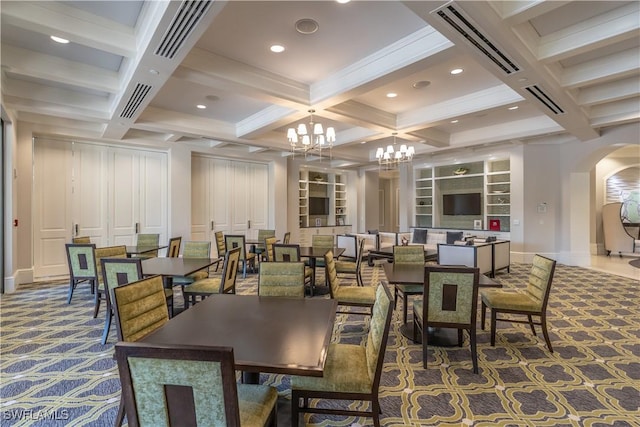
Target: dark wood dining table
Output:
[
  {"x": 268, "y": 334},
  {"x": 168, "y": 267},
  {"x": 141, "y": 250},
  {"x": 313, "y": 253},
  {"x": 411, "y": 278}
]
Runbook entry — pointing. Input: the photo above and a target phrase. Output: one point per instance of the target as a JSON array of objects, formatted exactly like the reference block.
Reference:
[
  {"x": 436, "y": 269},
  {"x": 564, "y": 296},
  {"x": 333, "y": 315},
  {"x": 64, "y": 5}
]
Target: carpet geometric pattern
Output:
[{"x": 55, "y": 372}]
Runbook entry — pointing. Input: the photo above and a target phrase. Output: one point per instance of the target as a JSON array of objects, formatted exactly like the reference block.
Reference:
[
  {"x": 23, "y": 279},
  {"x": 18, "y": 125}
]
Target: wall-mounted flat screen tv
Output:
[
  {"x": 318, "y": 206},
  {"x": 462, "y": 204}
]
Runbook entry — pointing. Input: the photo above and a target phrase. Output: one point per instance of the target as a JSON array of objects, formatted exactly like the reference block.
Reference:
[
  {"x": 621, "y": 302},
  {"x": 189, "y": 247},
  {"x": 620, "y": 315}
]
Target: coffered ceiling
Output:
[{"x": 136, "y": 70}]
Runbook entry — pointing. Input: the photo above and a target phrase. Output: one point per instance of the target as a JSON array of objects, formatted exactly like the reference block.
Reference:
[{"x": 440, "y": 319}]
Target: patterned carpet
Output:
[{"x": 55, "y": 372}]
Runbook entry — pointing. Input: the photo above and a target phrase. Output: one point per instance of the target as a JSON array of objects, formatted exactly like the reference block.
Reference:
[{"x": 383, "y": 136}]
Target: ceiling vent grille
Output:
[
  {"x": 465, "y": 26},
  {"x": 137, "y": 97},
  {"x": 545, "y": 99},
  {"x": 181, "y": 27}
]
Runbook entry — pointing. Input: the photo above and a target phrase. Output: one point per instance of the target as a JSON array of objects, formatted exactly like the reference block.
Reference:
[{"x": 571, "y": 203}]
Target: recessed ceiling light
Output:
[
  {"x": 454, "y": 121},
  {"x": 515, "y": 107},
  {"x": 343, "y": 1},
  {"x": 392, "y": 95},
  {"x": 456, "y": 71},
  {"x": 59, "y": 40},
  {"x": 421, "y": 84},
  {"x": 522, "y": 79},
  {"x": 306, "y": 26},
  {"x": 363, "y": 142},
  {"x": 154, "y": 71},
  {"x": 276, "y": 48},
  {"x": 212, "y": 98},
  {"x": 201, "y": 106}
]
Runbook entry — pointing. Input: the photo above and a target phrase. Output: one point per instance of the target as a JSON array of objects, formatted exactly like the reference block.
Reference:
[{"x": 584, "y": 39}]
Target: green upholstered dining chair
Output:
[
  {"x": 139, "y": 309},
  {"x": 326, "y": 241},
  {"x": 530, "y": 302},
  {"x": 351, "y": 371},
  {"x": 220, "y": 245},
  {"x": 82, "y": 266},
  {"x": 260, "y": 247},
  {"x": 224, "y": 284},
  {"x": 268, "y": 245},
  {"x": 81, "y": 239},
  {"x": 291, "y": 253},
  {"x": 407, "y": 254},
  {"x": 281, "y": 279},
  {"x": 194, "y": 249},
  {"x": 116, "y": 272},
  {"x": 232, "y": 241},
  {"x": 450, "y": 300},
  {"x": 351, "y": 267},
  {"x": 118, "y": 251},
  {"x": 173, "y": 250},
  {"x": 354, "y": 296},
  {"x": 287, "y": 238},
  {"x": 146, "y": 239},
  {"x": 165, "y": 385}
]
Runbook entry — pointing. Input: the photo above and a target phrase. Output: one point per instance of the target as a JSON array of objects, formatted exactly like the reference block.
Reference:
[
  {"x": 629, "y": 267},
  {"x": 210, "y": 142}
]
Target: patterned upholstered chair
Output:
[
  {"x": 81, "y": 239},
  {"x": 450, "y": 300},
  {"x": 173, "y": 251},
  {"x": 246, "y": 258},
  {"x": 220, "y": 245},
  {"x": 354, "y": 296},
  {"x": 194, "y": 249},
  {"x": 82, "y": 266},
  {"x": 166, "y": 385},
  {"x": 291, "y": 253},
  {"x": 118, "y": 251},
  {"x": 116, "y": 272},
  {"x": 281, "y": 279},
  {"x": 260, "y": 247},
  {"x": 322, "y": 241},
  {"x": 351, "y": 267},
  {"x": 410, "y": 254},
  {"x": 530, "y": 302},
  {"x": 140, "y": 309},
  {"x": 148, "y": 240},
  {"x": 351, "y": 372},
  {"x": 268, "y": 244},
  {"x": 224, "y": 284}
]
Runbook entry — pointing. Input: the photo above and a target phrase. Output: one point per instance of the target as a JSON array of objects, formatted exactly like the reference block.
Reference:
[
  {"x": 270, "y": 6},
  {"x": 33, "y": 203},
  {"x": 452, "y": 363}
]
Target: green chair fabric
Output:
[
  {"x": 232, "y": 241},
  {"x": 144, "y": 239},
  {"x": 118, "y": 251},
  {"x": 450, "y": 300},
  {"x": 205, "y": 375},
  {"x": 116, "y": 272},
  {"x": 282, "y": 279},
  {"x": 139, "y": 309},
  {"x": 409, "y": 254},
  {"x": 322, "y": 241},
  {"x": 194, "y": 249},
  {"x": 291, "y": 253},
  {"x": 173, "y": 251},
  {"x": 82, "y": 266},
  {"x": 220, "y": 245},
  {"x": 268, "y": 245},
  {"x": 530, "y": 302},
  {"x": 354, "y": 296},
  {"x": 260, "y": 247},
  {"x": 352, "y": 372},
  {"x": 352, "y": 268},
  {"x": 224, "y": 284},
  {"x": 81, "y": 239},
  {"x": 287, "y": 238}
]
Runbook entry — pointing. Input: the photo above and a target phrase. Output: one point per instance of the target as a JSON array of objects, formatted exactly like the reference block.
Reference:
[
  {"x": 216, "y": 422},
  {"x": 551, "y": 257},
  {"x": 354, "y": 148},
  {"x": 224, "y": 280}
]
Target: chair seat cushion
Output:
[
  {"x": 308, "y": 271},
  {"x": 187, "y": 280},
  {"x": 204, "y": 286},
  {"x": 356, "y": 294},
  {"x": 509, "y": 300},
  {"x": 345, "y": 267},
  {"x": 255, "y": 403},
  {"x": 345, "y": 371},
  {"x": 410, "y": 289}
]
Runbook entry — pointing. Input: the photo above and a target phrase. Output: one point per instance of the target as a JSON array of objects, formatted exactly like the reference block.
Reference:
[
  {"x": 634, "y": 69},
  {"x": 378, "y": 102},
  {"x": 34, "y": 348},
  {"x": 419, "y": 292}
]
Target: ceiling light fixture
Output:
[
  {"x": 392, "y": 95},
  {"x": 59, "y": 40},
  {"x": 454, "y": 121},
  {"x": 343, "y": 1},
  {"x": 314, "y": 138},
  {"x": 456, "y": 71},
  {"x": 276, "y": 48},
  {"x": 391, "y": 158},
  {"x": 515, "y": 107},
  {"x": 201, "y": 106}
]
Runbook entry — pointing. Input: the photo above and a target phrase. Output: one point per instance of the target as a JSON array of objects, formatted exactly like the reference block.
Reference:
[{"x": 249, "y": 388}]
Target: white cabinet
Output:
[
  {"x": 102, "y": 192},
  {"x": 322, "y": 199},
  {"x": 228, "y": 196},
  {"x": 498, "y": 195},
  {"x": 424, "y": 198}
]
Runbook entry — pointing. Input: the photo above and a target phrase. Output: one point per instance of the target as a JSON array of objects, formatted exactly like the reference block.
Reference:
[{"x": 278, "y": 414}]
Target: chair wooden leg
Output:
[
  {"x": 120, "y": 415},
  {"x": 493, "y": 327},
  {"x": 295, "y": 406},
  {"x": 543, "y": 324},
  {"x": 375, "y": 409},
  {"x": 483, "y": 315},
  {"x": 459, "y": 337},
  {"x": 405, "y": 301},
  {"x": 474, "y": 349},
  {"x": 72, "y": 286},
  {"x": 107, "y": 326},
  {"x": 96, "y": 306},
  {"x": 533, "y": 330}
]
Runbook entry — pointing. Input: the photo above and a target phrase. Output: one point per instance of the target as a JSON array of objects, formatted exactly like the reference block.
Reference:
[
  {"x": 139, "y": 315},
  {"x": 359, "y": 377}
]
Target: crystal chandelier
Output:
[
  {"x": 301, "y": 139},
  {"x": 391, "y": 157}
]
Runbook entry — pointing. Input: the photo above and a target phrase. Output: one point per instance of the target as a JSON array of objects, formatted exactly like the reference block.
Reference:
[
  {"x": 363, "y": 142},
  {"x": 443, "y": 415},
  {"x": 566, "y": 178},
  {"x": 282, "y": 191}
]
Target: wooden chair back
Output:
[
  {"x": 282, "y": 279},
  {"x": 146, "y": 239},
  {"x": 220, "y": 244},
  {"x": 410, "y": 254},
  {"x": 287, "y": 253},
  {"x": 174, "y": 247}
]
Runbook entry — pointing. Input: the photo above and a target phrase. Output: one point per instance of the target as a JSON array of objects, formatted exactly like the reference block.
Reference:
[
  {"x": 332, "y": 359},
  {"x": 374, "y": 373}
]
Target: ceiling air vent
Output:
[
  {"x": 137, "y": 97},
  {"x": 465, "y": 26},
  {"x": 541, "y": 96},
  {"x": 182, "y": 24}
]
